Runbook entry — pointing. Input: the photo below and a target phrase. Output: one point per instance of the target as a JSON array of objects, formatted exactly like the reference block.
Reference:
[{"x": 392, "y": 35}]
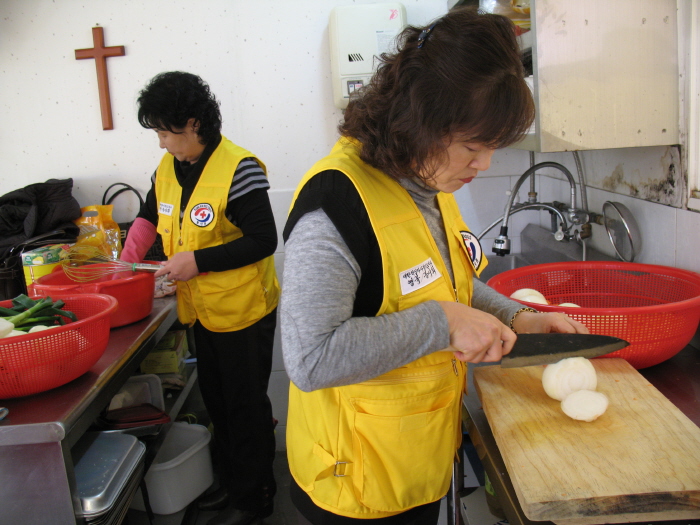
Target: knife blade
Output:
[{"x": 544, "y": 349}]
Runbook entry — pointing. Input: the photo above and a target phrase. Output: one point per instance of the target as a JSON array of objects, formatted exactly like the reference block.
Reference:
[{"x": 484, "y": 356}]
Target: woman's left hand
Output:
[{"x": 546, "y": 322}]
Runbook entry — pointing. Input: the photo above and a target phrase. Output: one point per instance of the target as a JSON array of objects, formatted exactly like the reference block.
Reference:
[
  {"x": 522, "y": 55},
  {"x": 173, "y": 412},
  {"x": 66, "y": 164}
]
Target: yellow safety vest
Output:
[
  {"x": 222, "y": 301},
  {"x": 386, "y": 445}
]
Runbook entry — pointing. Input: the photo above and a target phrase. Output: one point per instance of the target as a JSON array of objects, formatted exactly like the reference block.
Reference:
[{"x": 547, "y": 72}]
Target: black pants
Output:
[
  {"x": 233, "y": 374},
  {"x": 309, "y": 514}
]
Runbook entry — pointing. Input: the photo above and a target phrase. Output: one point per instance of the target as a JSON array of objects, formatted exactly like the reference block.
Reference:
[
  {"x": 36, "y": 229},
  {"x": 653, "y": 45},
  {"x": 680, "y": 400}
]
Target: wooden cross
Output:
[{"x": 100, "y": 54}]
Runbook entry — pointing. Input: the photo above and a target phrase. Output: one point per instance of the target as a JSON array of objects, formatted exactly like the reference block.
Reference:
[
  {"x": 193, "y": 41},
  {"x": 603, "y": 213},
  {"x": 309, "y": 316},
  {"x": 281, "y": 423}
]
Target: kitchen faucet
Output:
[{"x": 561, "y": 229}]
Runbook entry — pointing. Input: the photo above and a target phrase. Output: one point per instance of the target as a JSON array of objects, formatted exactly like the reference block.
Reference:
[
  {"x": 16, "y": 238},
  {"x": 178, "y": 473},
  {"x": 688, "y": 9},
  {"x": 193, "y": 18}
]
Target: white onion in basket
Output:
[
  {"x": 6, "y": 328},
  {"x": 520, "y": 295},
  {"x": 571, "y": 305},
  {"x": 585, "y": 405},
  {"x": 569, "y": 375},
  {"x": 40, "y": 328},
  {"x": 534, "y": 299},
  {"x": 15, "y": 333}
]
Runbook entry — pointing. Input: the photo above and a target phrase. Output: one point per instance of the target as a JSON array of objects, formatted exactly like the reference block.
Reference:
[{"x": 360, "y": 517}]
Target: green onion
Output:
[{"x": 27, "y": 313}]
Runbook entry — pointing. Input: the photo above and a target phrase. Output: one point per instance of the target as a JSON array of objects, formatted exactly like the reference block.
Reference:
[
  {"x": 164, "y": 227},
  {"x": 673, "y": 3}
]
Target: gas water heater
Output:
[{"x": 357, "y": 34}]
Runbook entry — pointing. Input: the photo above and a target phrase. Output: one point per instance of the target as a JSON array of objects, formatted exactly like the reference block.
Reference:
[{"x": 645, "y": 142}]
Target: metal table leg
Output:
[{"x": 454, "y": 511}]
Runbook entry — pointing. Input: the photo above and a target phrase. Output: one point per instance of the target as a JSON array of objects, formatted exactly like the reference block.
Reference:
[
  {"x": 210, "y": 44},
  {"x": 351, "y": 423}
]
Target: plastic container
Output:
[
  {"x": 137, "y": 409},
  {"x": 139, "y": 389},
  {"x": 181, "y": 471},
  {"x": 655, "y": 308},
  {"x": 133, "y": 291},
  {"x": 44, "y": 360}
]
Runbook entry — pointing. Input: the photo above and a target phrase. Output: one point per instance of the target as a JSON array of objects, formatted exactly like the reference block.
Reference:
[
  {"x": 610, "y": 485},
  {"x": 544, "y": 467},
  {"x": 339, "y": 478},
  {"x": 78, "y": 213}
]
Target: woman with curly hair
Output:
[{"x": 380, "y": 307}]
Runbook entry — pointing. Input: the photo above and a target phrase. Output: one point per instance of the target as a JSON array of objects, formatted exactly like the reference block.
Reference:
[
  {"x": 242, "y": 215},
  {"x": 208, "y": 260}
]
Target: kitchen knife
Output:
[{"x": 544, "y": 349}]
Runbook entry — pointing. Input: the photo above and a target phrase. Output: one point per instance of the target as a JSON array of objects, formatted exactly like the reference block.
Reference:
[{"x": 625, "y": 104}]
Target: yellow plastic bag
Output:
[{"x": 99, "y": 229}]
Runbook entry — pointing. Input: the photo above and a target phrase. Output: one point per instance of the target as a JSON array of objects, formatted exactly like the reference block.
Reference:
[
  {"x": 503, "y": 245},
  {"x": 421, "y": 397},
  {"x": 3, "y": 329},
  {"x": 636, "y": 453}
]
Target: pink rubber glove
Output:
[{"x": 140, "y": 238}]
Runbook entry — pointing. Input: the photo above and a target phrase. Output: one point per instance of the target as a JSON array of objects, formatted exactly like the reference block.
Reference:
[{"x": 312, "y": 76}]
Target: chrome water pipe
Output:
[
  {"x": 501, "y": 245},
  {"x": 532, "y": 206}
]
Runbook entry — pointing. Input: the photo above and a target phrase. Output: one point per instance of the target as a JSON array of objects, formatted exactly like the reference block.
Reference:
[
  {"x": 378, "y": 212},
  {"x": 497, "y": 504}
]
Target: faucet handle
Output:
[{"x": 577, "y": 216}]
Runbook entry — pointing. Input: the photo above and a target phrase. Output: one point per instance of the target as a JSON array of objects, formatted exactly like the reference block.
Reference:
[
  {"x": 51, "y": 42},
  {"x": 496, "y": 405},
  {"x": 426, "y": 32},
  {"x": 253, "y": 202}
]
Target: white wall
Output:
[{"x": 268, "y": 63}]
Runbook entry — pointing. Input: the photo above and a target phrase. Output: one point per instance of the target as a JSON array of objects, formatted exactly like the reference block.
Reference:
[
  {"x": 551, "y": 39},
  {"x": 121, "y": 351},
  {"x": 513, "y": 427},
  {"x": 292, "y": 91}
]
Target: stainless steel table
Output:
[
  {"x": 678, "y": 379},
  {"x": 37, "y": 483}
]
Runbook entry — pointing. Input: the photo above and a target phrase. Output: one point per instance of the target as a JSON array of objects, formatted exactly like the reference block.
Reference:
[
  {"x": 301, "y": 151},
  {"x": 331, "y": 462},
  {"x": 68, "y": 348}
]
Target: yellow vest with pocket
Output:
[
  {"x": 383, "y": 446},
  {"x": 222, "y": 301}
]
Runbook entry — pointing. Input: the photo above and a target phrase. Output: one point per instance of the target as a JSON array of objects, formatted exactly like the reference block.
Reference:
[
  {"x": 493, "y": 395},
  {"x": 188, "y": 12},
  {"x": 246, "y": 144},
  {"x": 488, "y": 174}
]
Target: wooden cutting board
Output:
[{"x": 640, "y": 461}]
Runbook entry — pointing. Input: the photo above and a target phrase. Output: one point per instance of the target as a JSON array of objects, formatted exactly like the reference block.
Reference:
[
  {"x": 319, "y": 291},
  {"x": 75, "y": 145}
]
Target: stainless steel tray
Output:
[{"x": 104, "y": 463}]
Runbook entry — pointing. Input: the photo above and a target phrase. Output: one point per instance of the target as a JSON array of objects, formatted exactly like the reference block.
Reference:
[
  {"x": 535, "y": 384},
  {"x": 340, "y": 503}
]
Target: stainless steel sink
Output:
[{"x": 501, "y": 264}]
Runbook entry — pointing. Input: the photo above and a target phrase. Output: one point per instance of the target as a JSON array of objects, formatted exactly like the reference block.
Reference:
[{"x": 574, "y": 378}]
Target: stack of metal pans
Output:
[{"x": 108, "y": 470}]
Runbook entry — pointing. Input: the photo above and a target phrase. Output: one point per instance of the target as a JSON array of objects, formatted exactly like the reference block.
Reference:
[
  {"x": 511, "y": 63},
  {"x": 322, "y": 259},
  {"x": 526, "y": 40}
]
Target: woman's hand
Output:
[
  {"x": 543, "y": 323},
  {"x": 476, "y": 336},
  {"x": 180, "y": 267}
]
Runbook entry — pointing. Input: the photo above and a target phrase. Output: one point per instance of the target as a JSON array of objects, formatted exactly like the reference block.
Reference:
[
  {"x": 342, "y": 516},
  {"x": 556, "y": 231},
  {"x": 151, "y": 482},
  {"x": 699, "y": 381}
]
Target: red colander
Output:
[
  {"x": 655, "y": 308},
  {"x": 47, "y": 359}
]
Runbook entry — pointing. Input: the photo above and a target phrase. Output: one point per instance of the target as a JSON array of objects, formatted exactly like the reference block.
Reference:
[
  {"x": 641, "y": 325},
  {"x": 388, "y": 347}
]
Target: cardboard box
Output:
[
  {"x": 175, "y": 381},
  {"x": 41, "y": 261},
  {"x": 32, "y": 272},
  {"x": 44, "y": 255},
  {"x": 168, "y": 356}
]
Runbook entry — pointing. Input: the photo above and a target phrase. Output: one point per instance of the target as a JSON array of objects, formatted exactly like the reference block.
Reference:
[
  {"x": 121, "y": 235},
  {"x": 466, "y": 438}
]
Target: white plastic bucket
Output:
[{"x": 181, "y": 470}]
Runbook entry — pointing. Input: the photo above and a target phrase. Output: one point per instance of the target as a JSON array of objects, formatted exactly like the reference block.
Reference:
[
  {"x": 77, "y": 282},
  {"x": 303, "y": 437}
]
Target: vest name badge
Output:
[
  {"x": 165, "y": 209},
  {"x": 418, "y": 277},
  {"x": 202, "y": 214},
  {"x": 471, "y": 243}
]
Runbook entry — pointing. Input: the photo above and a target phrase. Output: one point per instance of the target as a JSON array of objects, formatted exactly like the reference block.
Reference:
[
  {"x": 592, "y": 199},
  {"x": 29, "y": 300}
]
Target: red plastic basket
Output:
[
  {"x": 44, "y": 360},
  {"x": 133, "y": 291},
  {"x": 655, "y": 308}
]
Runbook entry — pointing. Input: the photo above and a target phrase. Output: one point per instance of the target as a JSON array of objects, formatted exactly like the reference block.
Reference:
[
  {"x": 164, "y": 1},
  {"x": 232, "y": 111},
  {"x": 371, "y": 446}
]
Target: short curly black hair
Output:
[
  {"x": 170, "y": 99},
  {"x": 459, "y": 77}
]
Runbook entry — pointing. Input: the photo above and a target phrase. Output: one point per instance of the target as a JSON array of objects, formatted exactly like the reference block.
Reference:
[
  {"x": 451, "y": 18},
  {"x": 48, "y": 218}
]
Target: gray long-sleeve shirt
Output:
[{"x": 323, "y": 345}]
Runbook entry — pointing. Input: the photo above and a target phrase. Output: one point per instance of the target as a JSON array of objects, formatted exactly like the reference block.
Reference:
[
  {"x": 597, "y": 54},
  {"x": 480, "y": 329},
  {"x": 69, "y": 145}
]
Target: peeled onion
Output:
[
  {"x": 519, "y": 295},
  {"x": 6, "y": 327},
  {"x": 573, "y": 305},
  {"x": 39, "y": 328},
  {"x": 569, "y": 375},
  {"x": 585, "y": 405},
  {"x": 534, "y": 299},
  {"x": 15, "y": 333}
]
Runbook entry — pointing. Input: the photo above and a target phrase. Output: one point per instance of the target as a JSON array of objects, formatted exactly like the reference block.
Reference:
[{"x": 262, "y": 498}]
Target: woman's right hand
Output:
[{"x": 476, "y": 336}]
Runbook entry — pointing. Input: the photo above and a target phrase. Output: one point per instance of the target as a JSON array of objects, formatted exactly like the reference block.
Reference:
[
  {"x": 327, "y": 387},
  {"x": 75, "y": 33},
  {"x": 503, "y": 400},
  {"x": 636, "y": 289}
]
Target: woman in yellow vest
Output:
[
  {"x": 209, "y": 204},
  {"x": 380, "y": 308}
]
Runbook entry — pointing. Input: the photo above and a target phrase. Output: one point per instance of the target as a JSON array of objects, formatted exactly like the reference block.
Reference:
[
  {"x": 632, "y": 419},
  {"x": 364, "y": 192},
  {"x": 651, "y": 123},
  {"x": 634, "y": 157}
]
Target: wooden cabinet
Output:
[{"x": 605, "y": 74}]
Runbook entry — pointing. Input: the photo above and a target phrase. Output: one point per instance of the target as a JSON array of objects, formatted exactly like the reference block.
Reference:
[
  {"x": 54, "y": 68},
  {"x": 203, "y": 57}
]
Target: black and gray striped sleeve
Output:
[
  {"x": 249, "y": 209},
  {"x": 249, "y": 176}
]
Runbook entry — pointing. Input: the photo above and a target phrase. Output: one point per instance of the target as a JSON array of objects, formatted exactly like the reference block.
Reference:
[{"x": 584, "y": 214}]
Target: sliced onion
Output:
[{"x": 585, "y": 405}]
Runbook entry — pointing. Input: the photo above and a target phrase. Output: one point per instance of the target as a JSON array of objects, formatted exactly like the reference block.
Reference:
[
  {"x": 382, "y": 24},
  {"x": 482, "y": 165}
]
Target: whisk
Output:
[{"x": 87, "y": 263}]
